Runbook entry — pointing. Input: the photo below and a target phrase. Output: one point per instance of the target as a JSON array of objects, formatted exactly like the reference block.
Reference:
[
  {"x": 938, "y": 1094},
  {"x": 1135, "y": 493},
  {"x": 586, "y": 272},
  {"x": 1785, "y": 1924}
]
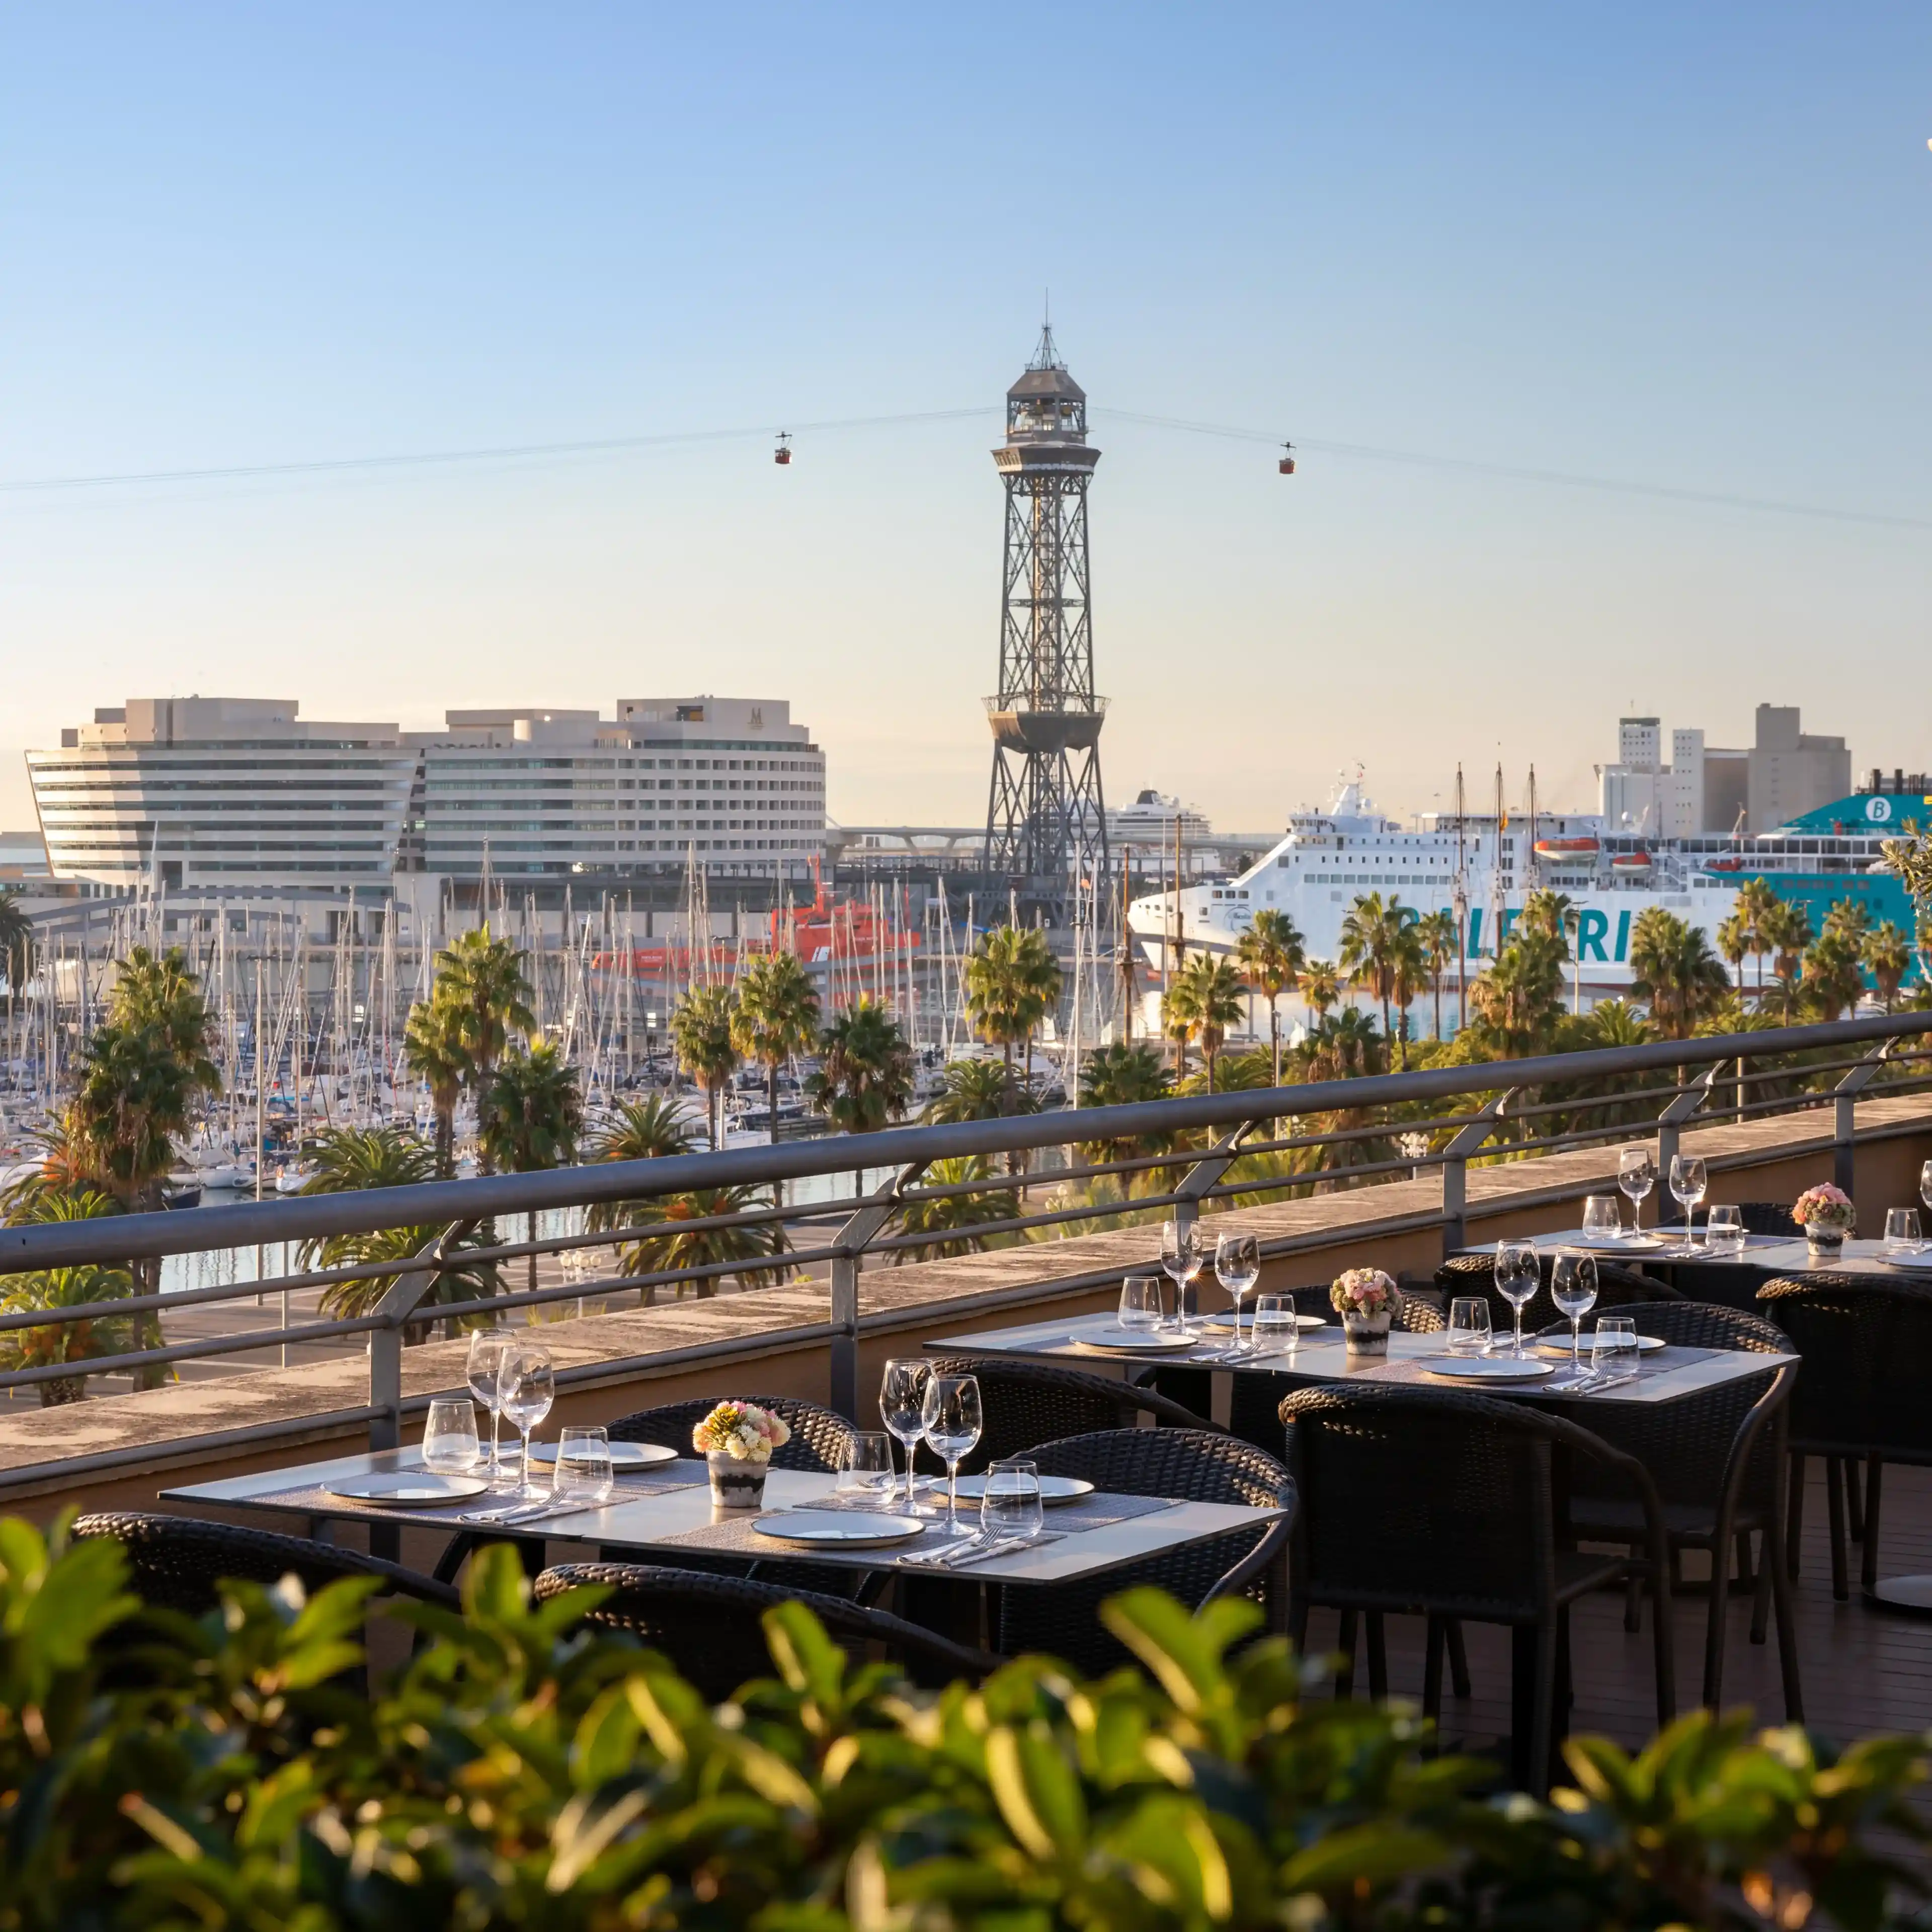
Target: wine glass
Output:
[
  {"x": 1925, "y": 1183},
  {"x": 1237, "y": 1267},
  {"x": 1180, "y": 1259},
  {"x": 952, "y": 1423},
  {"x": 1572, "y": 1287},
  {"x": 1635, "y": 1177},
  {"x": 1688, "y": 1182},
  {"x": 526, "y": 1387},
  {"x": 1519, "y": 1275},
  {"x": 487, "y": 1347},
  {"x": 901, "y": 1407}
]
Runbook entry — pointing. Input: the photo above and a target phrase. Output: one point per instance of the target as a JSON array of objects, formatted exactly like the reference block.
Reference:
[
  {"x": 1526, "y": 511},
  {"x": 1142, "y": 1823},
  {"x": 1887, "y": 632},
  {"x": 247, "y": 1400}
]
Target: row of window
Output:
[{"x": 443, "y": 765}]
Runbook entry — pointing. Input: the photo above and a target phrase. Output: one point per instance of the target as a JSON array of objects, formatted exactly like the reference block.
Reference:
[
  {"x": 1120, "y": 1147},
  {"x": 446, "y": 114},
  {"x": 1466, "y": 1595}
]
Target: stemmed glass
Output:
[
  {"x": 1925, "y": 1183},
  {"x": 526, "y": 1387},
  {"x": 902, "y": 1408},
  {"x": 486, "y": 1349},
  {"x": 1688, "y": 1184},
  {"x": 1237, "y": 1267},
  {"x": 952, "y": 1423},
  {"x": 1519, "y": 1275},
  {"x": 1180, "y": 1259},
  {"x": 1572, "y": 1287},
  {"x": 1635, "y": 1177}
]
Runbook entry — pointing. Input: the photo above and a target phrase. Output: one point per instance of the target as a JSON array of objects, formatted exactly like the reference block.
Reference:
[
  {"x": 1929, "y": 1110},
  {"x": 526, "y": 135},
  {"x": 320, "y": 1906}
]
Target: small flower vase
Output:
[
  {"x": 1825, "y": 1243},
  {"x": 1366, "y": 1335},
  {"x": 736, "y": 1483}
]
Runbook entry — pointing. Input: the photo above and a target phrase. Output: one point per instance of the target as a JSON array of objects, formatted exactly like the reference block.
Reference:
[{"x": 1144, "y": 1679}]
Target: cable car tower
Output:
[{"x": 1046, "y": 824}]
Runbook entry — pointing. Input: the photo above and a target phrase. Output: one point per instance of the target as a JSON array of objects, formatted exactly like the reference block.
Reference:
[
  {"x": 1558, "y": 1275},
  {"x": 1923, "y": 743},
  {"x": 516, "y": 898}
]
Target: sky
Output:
[{"x": 1680, "y": 247}]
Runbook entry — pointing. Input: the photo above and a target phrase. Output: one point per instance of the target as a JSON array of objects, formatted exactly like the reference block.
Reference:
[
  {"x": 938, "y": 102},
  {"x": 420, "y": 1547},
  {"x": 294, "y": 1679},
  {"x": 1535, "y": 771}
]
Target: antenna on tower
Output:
[{"x": 1046, "y": 356}]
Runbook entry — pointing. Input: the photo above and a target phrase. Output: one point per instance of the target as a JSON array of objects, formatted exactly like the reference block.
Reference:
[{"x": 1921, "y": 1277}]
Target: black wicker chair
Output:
[
  {"x": 1443, "y": 1504},
  {"x": 1617, "y": 1287},
  {"x": 817, "y": 1434},
  {"x": 175, "y": 1562},
  {"x": 1188, "y": 1464},
  {"x": 711, "y": 1627},
  {"x": 1718, "y": 1463},
  {"x": 1022, "y": 1404},
  {"x": 1860, "y": 1395}
]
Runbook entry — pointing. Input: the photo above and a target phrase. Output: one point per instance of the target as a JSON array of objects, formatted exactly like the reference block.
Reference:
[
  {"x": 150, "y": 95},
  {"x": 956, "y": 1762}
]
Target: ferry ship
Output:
[{"x": 1329, "y": 859}]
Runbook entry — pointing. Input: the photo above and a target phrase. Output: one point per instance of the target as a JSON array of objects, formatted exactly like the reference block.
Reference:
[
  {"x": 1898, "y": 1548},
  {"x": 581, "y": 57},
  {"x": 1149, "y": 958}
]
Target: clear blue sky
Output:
[{"x": 1686, "y": 245}]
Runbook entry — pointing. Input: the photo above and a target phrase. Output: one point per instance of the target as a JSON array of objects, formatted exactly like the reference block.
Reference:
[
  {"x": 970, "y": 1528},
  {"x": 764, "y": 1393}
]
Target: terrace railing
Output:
[{"x": 1188, "y": 1153}]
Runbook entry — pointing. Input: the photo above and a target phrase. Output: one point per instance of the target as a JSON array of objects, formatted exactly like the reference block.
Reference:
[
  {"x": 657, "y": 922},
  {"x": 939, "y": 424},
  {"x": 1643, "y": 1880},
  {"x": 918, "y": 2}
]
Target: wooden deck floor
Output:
[{"x": 1863, "y": 1670}]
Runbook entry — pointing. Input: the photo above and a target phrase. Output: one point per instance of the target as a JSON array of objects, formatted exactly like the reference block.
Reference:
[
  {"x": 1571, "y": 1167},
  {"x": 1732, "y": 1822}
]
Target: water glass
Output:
[
  {"x": 1600, "y": 1216},
  {"x": 525, "y": 1388},
  {"x": 902, "y": 1407},
  {"x": 1469, "y": 1325},
  {"x": 866, "y": 1478},
  {"x": 1724, "y": 1231},
  {"x": 1901, "y": 1231},
  {"x": 583, "y": 1471},
  {"x": 449, "y": 1443},
  {"x": 1635, "y": 1177},
  {"x": 1237, "y": 1267},
  {"x": 1688, "y": 1182},
  {"x": 1140, "y": 1302},
  {"x": 1180, "y": 1260},
  {"x": 1572, "y": 1287},
  {"x": 952, "y": 1421},
  {"x": 1010, "y": 1505},
  {"x": 1615, "y": 1351},
  {"x": 1275, "y": 1330},
  {"x": 486, "y": 1349},
  {"x": 1519, "y": 1275}
]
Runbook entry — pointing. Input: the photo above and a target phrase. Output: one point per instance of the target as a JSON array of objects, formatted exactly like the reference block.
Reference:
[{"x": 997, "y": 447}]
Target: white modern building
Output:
[
  {"x": 242, "y": 794},
  {"x": 1708, "y": 788}
]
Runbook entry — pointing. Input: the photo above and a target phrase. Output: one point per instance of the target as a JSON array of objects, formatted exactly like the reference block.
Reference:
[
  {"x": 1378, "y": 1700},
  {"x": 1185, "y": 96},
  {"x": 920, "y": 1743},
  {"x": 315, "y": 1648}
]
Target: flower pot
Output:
[
  {"x": 1826, "y": 1244},
  {"x": 736, "y": 1483},
  {"x": 1366, "y": 1335}
]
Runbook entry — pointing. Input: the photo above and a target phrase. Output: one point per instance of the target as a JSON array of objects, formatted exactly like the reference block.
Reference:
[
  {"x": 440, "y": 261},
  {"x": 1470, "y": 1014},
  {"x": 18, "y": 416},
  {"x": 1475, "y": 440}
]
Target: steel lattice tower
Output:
[{"x": 1046, "y": 824}]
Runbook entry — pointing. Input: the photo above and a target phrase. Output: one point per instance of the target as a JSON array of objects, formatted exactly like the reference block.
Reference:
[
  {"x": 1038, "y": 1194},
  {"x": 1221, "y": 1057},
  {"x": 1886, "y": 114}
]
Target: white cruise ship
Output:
[{"x": 1330, "y": 859}]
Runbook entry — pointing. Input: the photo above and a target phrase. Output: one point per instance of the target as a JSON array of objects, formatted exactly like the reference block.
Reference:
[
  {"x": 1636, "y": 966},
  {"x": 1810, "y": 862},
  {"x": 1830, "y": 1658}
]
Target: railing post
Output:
[
  {"x": 1207, "y": 1172},
  {"x": 852, "y": 1240},
  {"x": 399, "y": 1303},
  {"x": 1844, "y": 1110},
  {"x": 1669, "y": 1125},
  {"x": 1455, "y": 1170}
]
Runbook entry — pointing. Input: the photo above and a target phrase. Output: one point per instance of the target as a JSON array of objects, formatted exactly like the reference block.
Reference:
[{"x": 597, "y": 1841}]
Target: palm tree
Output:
[
  {"x": 673, "y": 1244},
  {"x": 1516, "y": 1005},
  {"x": 1615, "y": 1023},
  {"x": 531, "y": 1118},
  {"x": 1755, "y": 903},
  {"x": 1271, "y": 954},
  {"x": 957, "y": 1216},
  {"x": 1674, "y": 972},
  {"x": 1734, "y": 940},
  {"x": 17, "y": 948},
  {"x": 1124, "y": 1074},
  {"x": 1206, "y": 995},
  {"x": 701, "y": 1032},
  {"x": 71, "y": 1287},
  {"x": 1550, "y": 913},
  {"x": 1785, "y": 929},
  {"x": 1888, "y": 958},
  {"x": 480, "y": 980},
  {"x": 158, "y": 991},
  {"x": 1372, "y": 940},
  {"x": 1435, "y": 935},
  {"x": 971, "y": 1090},
  {"x": 132, "y": 1101},
  {"x": 1321, "y": 987},
  {"x": 1011, "y": 982},
  {"x": 433, "y": 1052},
  {"x": 646, "y": 1130},
  {"x": 776, "y": 1019},
  {"x": 865, "y": 1077},
  {"x": 1835, "y": 977},
  {"x": 63, "y": 1170},
  {"x": 349, "y": 1159},
  {"x": 1848, "y": 919}
]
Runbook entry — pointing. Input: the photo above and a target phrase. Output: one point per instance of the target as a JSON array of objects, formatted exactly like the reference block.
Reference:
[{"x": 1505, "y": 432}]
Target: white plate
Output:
[
  {"x": 1137, "y": 1342},
  {"x": 1487, "y": 1368},
  {"x": 1613, "y": 1244},
  {"x": 1907, "y": 1263},
  {"x": 847, "y": 1529},
  {"x": 1052, "y": 1488},
  {"x": 1646, "y": 1344},
  {"x": 408, "y": 1488},
  {"x": 1227, "y": 1321},
  {"x": 623, "y": 1455}
]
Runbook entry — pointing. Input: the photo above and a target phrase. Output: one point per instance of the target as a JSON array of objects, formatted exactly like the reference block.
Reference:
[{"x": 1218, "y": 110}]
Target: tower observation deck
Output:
[{"x": 1046, "y": 824}]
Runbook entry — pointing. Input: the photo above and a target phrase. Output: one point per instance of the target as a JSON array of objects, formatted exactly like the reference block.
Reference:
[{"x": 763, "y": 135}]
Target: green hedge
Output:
[{"x": 521, "y": 1772}]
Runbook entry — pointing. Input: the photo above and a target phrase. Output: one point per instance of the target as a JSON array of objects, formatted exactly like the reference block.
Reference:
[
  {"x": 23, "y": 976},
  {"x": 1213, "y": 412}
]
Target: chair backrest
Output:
[
  {"x": 1617, "y": 1287},
  {"x": 1693, "y": 1324},
  {"x": 176, "y": 1562},
  {"x": 1865, "y": 1343},
  {"x": 1189, "y": 1465},
  {"x": 817, "y": 1434},
  {"x": 1023, "y": 1404},
  {"x": 1758, "y": 1217},
  {"x": 1410, "y": 1496},
  {"x": 711, "y": 1627}
]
